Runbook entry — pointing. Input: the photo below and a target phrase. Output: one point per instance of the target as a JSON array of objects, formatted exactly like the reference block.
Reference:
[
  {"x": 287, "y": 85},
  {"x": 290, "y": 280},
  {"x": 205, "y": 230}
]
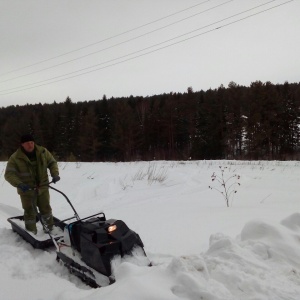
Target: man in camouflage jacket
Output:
[{"x": 27, "y": 171}]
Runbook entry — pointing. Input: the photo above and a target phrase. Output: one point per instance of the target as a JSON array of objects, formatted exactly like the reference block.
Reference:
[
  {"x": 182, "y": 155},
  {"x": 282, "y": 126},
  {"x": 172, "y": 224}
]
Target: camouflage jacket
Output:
[{"x": 20, "y": 169}]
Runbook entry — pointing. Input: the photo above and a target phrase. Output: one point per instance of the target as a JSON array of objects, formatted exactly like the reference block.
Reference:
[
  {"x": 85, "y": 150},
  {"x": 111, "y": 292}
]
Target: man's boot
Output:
[
  {"x": 48, "y": 221},
  {"x": 30, "y": 226}
]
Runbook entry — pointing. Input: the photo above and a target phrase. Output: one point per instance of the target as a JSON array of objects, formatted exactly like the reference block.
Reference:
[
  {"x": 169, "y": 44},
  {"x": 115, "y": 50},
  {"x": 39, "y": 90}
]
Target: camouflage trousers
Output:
[{"x": 42, "y": 202}]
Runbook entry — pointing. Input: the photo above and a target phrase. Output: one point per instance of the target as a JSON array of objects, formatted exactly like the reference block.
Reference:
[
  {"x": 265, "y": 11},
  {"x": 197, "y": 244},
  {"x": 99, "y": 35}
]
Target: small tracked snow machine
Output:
[{"x": 91, "y": 247}]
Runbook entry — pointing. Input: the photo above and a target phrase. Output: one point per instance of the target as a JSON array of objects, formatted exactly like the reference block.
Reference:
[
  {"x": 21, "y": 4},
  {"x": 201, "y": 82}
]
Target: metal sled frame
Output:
[
  {"x": 29, "y": 238},
  {"x": 59, "y": 223}
]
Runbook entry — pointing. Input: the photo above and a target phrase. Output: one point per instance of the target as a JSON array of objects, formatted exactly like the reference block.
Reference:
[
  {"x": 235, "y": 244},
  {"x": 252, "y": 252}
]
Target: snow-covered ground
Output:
[{"x": 199, "y": 248}]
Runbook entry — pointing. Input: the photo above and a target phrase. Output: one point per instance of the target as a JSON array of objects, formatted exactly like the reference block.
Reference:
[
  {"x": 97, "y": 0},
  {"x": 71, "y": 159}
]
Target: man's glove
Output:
[
  {"x": 55, "y": 179},
  {"x": 24, "y": 187}
]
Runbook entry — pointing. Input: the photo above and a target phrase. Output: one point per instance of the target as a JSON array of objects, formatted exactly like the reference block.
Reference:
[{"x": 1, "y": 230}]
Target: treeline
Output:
[{"x": 237, "y": 122}]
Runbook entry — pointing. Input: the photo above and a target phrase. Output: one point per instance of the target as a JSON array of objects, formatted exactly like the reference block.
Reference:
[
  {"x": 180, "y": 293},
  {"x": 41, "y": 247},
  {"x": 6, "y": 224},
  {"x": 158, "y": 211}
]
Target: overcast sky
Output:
[{"x": 51, "y": 49}]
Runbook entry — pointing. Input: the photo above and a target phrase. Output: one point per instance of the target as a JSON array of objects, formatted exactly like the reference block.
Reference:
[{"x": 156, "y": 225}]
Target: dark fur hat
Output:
[{"x": 26, "y": 138}]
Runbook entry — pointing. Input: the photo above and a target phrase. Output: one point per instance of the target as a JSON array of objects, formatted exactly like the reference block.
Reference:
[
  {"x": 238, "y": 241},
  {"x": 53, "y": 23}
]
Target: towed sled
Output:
[{"x": 90, "y": 248}]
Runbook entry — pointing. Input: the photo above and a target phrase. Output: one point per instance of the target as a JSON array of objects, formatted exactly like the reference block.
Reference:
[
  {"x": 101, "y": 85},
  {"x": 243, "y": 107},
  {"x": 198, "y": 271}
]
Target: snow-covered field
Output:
[{"x": 199, "y": 248}]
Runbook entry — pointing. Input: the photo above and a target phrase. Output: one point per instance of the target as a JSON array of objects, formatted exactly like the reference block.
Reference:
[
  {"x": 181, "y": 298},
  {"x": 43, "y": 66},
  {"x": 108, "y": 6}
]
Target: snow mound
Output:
[
  {"x": 254, "y": 265},
  {"x": 292, "y": 222}
]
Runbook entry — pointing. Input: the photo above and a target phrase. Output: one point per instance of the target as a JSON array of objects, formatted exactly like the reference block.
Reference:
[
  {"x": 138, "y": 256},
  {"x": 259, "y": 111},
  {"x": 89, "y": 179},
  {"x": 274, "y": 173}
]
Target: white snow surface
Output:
[{"x": 199, "y": 247}]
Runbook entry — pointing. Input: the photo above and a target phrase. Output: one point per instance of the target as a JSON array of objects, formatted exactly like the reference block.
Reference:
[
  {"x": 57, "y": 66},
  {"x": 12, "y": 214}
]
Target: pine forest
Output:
[{"x": 259, "y": 122}]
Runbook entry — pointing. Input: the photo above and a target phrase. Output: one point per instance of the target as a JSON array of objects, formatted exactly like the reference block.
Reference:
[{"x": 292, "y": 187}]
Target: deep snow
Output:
[{"x": 199, "y": 248}]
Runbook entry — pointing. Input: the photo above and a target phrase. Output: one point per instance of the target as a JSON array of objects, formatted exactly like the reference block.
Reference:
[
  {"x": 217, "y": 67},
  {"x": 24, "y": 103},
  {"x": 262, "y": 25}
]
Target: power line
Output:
[
  {"x": 118, "y": 44},
  {"x": 149, "y": 52},
  {"x": 106, "y": 39},
  {"x": 109, "y": 61},
  {"x": 118, "y": 58}
]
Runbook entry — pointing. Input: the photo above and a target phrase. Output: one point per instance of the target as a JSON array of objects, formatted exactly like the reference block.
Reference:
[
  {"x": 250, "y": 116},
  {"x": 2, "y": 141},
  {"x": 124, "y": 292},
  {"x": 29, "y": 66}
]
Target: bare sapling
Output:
[{"x": 226, "y": 185}]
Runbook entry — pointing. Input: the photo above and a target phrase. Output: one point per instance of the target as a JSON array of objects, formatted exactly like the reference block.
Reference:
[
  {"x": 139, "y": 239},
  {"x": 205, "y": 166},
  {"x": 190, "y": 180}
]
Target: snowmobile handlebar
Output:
[
  {"x": 68, "y": 200},
  {"x": 36, "y": 188}
]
